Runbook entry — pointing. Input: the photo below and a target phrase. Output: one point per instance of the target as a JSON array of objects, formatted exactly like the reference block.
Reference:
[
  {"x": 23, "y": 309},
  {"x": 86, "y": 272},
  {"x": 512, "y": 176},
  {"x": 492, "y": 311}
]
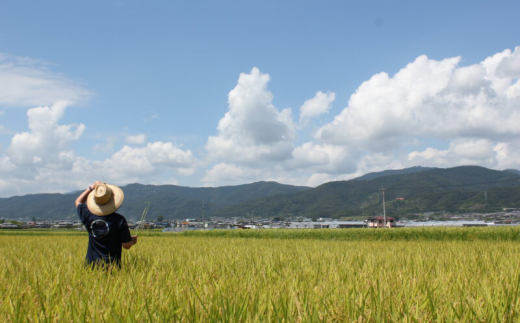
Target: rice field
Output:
[{"x": 346, "y": 275}]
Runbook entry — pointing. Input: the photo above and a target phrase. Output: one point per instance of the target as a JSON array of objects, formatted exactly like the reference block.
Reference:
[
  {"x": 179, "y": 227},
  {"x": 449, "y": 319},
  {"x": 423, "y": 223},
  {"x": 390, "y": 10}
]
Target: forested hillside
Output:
[
  {"x": 169, "y": 201},
  {"x": 455, "y": 189}
]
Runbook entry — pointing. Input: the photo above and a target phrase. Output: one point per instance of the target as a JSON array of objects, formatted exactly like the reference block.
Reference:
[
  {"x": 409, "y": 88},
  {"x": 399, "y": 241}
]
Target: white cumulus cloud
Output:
[
  {"x": 431, "y": 98},
  {"x": 390, "y": 122},
  {"x": 42, "y": 160},
  {"x": 319, "y": 104},
  {"x": 473, "y": 107},
  {"x": 146, "y": 164},
  {"x": 253, "y": 131},
  {"x": 46, "y": 137}
]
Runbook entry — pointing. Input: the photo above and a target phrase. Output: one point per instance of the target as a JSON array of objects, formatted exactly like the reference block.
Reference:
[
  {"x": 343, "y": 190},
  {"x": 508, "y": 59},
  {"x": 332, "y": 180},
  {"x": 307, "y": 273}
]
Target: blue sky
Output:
[{"x": 210, "y": 93}]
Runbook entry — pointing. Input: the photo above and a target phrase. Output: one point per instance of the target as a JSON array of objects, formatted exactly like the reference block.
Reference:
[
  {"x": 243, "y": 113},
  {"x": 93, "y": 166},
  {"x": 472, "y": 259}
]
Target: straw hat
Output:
[{"x": 105, "y": 199}]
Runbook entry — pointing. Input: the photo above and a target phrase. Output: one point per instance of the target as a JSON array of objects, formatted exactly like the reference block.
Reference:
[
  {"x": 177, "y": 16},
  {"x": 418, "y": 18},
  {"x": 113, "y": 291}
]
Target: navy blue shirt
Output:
[{"x": 105, "y": 235}]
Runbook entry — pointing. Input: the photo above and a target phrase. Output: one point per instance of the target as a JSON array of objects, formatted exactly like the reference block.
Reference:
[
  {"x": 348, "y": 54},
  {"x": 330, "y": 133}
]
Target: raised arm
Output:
[{"x": 82, "y": 198}]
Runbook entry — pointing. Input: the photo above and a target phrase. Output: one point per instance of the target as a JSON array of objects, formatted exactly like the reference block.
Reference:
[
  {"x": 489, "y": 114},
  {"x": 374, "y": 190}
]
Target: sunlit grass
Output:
[{"x": 202, "y": 278}]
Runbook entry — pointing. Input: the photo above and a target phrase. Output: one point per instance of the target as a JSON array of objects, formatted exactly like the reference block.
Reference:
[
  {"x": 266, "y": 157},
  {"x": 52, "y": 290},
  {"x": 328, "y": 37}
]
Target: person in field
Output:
[{"x": 107, "y": 230}]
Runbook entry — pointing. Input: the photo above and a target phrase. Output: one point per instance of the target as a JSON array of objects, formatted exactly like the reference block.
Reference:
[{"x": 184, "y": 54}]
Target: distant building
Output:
[
  {"x": 449, "y": 224},
  {"x": 326, "y": 225},
  {"x": 379, "y": 222},
  {"x": 9, "y": 226}
]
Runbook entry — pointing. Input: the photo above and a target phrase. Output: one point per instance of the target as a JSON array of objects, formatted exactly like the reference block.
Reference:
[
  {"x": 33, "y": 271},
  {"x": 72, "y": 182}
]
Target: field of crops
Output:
[{"x": 362, "y": 275}]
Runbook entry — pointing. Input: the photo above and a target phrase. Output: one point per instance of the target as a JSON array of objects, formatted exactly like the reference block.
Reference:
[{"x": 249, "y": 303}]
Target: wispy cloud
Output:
[
  {"x": 25, "y": 82},
  {"x": 136, "y": 139}
]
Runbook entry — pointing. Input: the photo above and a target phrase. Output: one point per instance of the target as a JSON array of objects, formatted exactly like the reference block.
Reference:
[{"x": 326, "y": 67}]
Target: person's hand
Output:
[
  {"x": 134, "y": 239},
  {"x": 96, "y": 183}
]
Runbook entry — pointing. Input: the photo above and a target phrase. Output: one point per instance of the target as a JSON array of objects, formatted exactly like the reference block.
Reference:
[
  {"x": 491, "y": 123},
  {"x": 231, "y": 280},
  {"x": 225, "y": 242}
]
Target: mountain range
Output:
[
  {"x": 419, "y": 189},
  {"x": 458, "y": 189}
]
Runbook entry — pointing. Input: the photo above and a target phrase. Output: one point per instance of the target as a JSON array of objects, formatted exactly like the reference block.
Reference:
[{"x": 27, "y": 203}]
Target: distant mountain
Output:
[
  {"x": 374, "y": 175},
  {"x": 166, "y": 200},
  {"x": 514, "y": 171},
  {"x": 458, "y": 189},
  {"x": 435, "y": 189}
]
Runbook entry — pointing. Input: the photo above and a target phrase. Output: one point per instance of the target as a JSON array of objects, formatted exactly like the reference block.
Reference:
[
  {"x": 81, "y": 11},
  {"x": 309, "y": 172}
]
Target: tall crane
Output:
[{"x": 143, "y": 216}]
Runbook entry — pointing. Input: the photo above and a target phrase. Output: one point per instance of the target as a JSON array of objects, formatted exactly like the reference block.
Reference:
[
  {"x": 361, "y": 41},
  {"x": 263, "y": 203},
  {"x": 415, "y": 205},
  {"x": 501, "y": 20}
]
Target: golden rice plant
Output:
[{"x": 182, "y": 278}]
